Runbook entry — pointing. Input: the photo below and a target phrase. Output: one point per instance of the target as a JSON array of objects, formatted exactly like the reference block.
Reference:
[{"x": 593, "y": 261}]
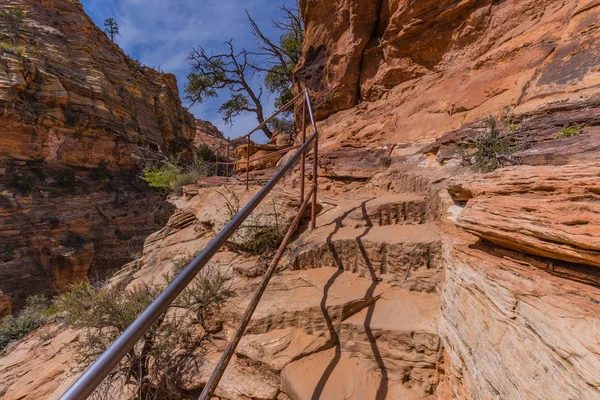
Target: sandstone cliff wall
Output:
[
  {"x": 414, "y": 81},
  {"x": 75, "y": 113},
  {"x": 422, "y": 279},
  {"x": 449, "y": 57}
]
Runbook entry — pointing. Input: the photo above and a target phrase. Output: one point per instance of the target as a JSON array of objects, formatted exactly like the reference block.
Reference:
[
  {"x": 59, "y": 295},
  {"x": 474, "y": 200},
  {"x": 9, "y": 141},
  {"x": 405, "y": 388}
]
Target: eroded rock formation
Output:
[
  {"x": 427, "y": 68},
  {"x": 75, "y": 116},
  {"x": 423, "y": 280}
]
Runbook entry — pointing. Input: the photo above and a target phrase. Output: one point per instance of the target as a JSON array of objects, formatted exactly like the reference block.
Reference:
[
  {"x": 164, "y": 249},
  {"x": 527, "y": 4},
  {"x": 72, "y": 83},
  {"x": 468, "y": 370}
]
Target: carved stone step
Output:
[
  {"x": 316, "y": 301},
  {"x": 333, "y": 375},
  {"x": 399, "y": 209},
  {"x": 398, "y": 335},
  {"x": 408, "y": 256}
]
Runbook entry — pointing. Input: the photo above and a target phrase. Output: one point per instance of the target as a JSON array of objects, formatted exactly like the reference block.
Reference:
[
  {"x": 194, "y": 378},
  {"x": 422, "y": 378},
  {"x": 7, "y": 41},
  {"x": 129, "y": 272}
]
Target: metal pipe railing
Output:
[
  {"x": 228, "y": 146},
  {"x": 101, "y": 368},
  {"x": 219, "y": 370},
  {"x": 313, "y": 220}
]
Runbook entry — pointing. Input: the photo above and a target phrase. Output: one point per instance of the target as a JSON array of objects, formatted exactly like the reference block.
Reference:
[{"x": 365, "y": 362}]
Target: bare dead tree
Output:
[{"x": 230, "y": 71}]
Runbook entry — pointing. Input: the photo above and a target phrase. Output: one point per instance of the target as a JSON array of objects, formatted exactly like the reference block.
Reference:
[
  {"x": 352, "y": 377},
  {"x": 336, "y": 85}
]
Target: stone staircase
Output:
[{"x": 354, "y": 313}]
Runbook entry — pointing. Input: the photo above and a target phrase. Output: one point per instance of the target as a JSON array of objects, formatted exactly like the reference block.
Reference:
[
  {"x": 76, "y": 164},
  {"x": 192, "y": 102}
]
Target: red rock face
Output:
[
  {"x": 424, "y": 69},
  {"x": 75, "y": 98},
  {"x": 337, "y": 34},
  {"x": 460, "y": 53},
  {"x": 208, "y": 134},
  {"x": 72, "y": 99}
]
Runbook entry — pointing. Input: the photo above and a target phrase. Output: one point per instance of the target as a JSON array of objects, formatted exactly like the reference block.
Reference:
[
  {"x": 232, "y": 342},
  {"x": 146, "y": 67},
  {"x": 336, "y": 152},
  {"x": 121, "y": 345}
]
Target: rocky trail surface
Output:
[
  {"x": 423, "y": 279},
  {"x": 386, "y": 299}
]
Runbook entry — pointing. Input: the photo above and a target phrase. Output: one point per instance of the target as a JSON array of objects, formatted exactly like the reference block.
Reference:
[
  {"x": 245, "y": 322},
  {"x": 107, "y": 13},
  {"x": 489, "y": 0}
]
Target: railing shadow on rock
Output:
[{"x": 95, "y": 374}]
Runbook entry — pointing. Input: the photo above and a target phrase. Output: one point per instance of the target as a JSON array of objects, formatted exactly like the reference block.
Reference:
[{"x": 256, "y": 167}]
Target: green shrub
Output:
[
  {"x": 18, "y": 51},
  {"x": 204, "y": 295},
  {"x": 172, "y": 177},
  {"x": 156, "y": 363},
  {"x": 74, "y": 241},
  {"x": 15, "y": 51},
  {"x": 260, "y": 234},
  {"x": 204, "y": 153},
  {"x": 570, "y": 131},
  {"x": 262, "y": 239},
  {"x": 12, "y": 19},
  {"x": 165, "y": 176},
  {"x": 493, "y": 149},
  {"x": 32, "y": 317},
  {"x": 66, "y": 179},
  {"x": 103, "y": 313},
  {"x": 386, "y": 161}
]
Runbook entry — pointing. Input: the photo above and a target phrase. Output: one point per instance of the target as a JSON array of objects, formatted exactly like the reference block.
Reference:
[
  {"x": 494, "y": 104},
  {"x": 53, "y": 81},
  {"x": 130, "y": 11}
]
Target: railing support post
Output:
[
  {"x": 247, "y": 162},
  {"x": 313, "y": 219},
  {"x": 227, "y": 165},
  {"x": 219, "y": 370},
  {"x": 217, "y": 161},
  {"x": 303, "y": 163}
]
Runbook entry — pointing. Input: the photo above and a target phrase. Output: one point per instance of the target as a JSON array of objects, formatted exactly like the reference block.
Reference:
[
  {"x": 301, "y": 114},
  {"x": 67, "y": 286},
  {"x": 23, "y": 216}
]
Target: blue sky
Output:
[{"x": 161, "y": 33}]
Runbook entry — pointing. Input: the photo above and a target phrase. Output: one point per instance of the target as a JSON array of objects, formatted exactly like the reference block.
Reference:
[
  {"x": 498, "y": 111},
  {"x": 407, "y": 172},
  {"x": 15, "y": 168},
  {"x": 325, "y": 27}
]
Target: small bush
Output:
[
  {"x": 260, "y": 234},
  {"x": 12, "y": 19},
  {"x": 570, "y": 131},
  {"x": 15, "y": 51},
  {"x": 72, "y": 118},
  {"x": 53, "y": 221},
  {"x": 25, "y": 183},
  {"x": 101, "y": 173},
  {"x": 386, "y": 161},
  {"x": 32, "y": 317},
  {"x": 204, "y": 294},
  {"x": 493, "y": 149},
  {"x": 74, "y": 241},
  {"x": 66, "y": 179},
  {"x": 165, "y": 176},
  {"x": 263, "y": 239},
  {"x": 101, "y": 313},
  {"x": 187, "y": 178},
  {"x": 36, "y": 165},
  {"x": 156, "y": 364},
  {"x": 204, "y": 153},
  {"x": 172, "y": 177}
]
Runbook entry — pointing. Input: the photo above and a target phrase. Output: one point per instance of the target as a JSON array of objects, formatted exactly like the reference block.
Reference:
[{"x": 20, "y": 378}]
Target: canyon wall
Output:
[
  {"x": 412, "y": 84},
  {"x": 458, "y": 53},
  {"x": 422, "y": 280},
  {"x": 76, "y": 114},
  {"x": 388, "y": 77}
]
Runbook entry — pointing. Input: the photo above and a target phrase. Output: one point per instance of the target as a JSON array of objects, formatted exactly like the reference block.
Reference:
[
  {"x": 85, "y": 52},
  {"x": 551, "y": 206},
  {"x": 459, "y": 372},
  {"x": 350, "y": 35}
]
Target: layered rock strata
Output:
[{"x": 78, "y": 118}]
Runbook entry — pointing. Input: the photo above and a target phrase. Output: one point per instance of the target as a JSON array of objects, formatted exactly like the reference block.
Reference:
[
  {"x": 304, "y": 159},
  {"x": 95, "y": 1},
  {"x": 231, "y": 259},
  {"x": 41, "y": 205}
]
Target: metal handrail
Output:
[
  {"x": 239, "y": 141},
  {"x": 87, "y": 383}
]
